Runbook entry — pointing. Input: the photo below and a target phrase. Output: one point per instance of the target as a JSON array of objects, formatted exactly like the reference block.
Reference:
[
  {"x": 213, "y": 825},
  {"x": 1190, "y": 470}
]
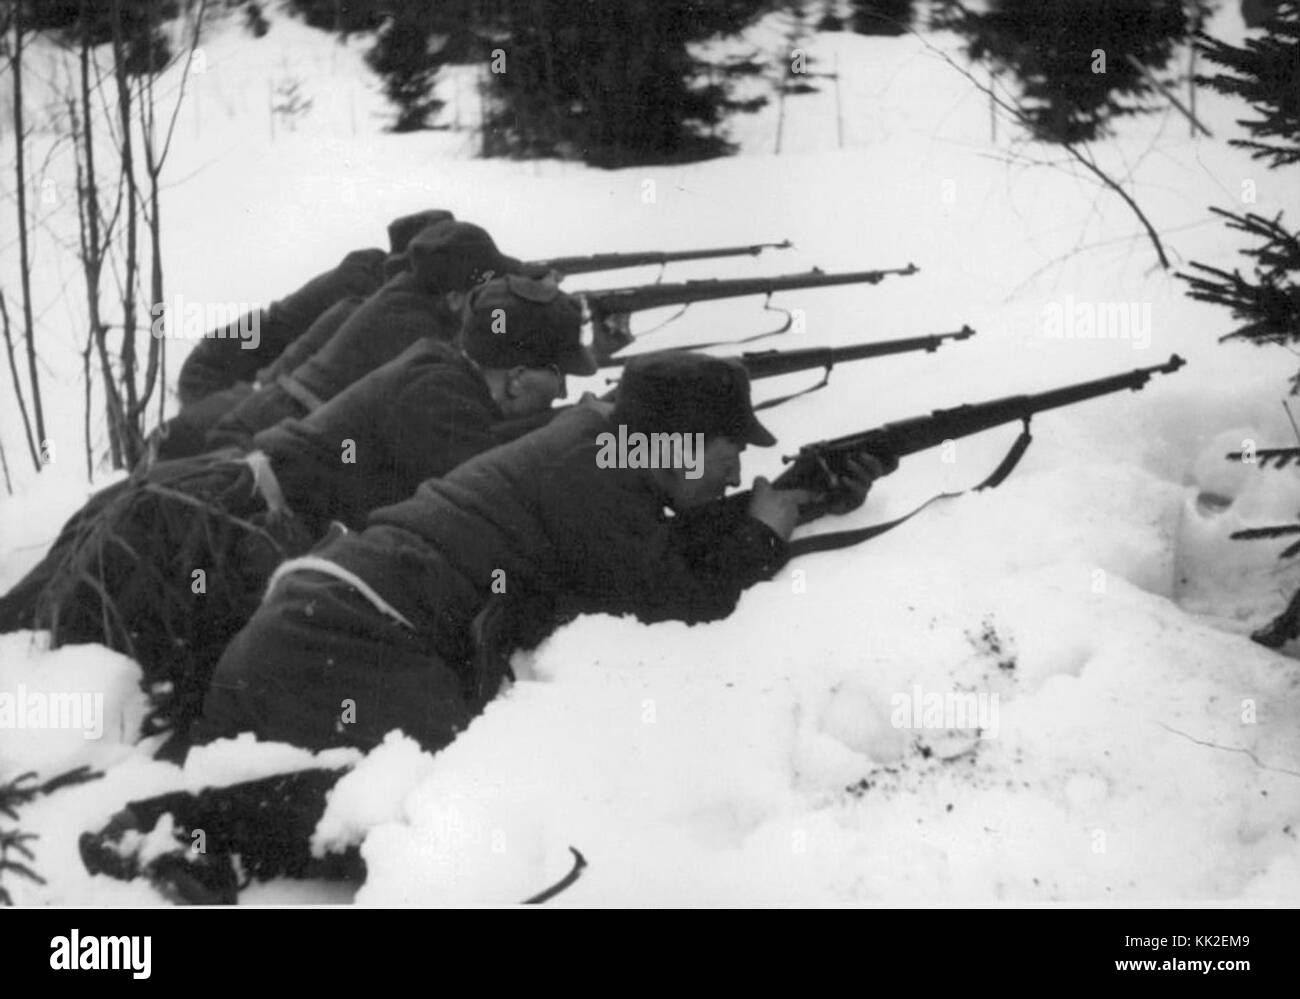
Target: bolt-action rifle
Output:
[
  {"x": 767, "y": 364},
  {"x": 568, "y": 266},
  {"x": 772, "y": 363},
  {"x": 820, "y": 466},
  {"x": 609, "y": 310}
]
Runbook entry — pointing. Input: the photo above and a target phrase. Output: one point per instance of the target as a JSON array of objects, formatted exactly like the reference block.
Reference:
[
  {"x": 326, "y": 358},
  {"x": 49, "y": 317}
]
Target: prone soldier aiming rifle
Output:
[{"x": 820, "y": 466}]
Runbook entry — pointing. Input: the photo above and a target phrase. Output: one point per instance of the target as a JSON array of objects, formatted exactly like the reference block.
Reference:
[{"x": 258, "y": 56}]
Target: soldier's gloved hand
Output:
[
  {"x": 850, "y": 491},
  {"x": 777, "y": 508}
]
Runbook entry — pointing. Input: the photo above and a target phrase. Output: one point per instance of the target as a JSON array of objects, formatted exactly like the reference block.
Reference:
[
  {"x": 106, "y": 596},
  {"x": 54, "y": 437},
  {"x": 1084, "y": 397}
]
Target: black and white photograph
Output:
[{"x": 651, "y": 454}]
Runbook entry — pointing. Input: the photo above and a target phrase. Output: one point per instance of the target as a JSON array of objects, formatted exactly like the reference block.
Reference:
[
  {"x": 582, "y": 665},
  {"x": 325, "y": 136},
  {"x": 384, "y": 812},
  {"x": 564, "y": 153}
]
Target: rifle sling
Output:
[
  {"x": 768, "y": 404},
  {"x": 752, "y": 338},
  {"x": 846, "y": 539}
]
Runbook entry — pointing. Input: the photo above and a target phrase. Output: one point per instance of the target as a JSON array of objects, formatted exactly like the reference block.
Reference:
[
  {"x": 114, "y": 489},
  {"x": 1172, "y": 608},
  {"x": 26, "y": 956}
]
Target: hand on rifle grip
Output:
[
  {"x": 778, "y": 508},
  {"x": 849, "y": 491}
]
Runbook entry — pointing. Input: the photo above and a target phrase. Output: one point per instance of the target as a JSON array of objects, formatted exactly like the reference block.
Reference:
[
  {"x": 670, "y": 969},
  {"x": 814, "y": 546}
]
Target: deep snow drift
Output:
[{"x": 1133, "y": 744}]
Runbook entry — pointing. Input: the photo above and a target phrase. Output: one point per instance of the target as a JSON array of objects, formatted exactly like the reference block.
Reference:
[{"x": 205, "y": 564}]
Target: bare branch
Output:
[
  {"x": 1019, "y": 115},
  {"x": 185, "y": 75},
  {"x": 1196, "y": 122}
]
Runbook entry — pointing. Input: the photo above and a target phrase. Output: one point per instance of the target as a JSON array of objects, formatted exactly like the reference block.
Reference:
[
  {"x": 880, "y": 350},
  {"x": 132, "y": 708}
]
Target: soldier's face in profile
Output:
[
  {"x": 718, "y": 468},
  {"x": 533, "y": 390}
]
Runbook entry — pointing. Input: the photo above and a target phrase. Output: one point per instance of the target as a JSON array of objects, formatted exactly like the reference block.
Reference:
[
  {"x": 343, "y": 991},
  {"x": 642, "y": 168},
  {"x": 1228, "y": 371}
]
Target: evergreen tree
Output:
[
  {"x": 612, "y": 82},
  {"x": 1265, "y": 73},
  {"x": 882, "y": 17},
  {"x": 407, "y": 55},
  {"x": 1071, "y": 56},
  {"x": 344, "y": 17},
  {"x": 1269, "y": 305},
  {"x": 147, "y": 47},
  {"x": 15, "y": 855}
]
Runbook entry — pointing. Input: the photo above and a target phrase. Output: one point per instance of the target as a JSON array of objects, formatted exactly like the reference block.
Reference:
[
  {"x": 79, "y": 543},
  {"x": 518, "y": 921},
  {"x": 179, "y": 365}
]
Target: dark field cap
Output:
[
  {"x": 689, "y": 393},
  {"x": 526, "y": 268},
  {"x": 454, "y": 256},
  {"x": 516, "y": 321},
  {"x": 402, "y": 231}
]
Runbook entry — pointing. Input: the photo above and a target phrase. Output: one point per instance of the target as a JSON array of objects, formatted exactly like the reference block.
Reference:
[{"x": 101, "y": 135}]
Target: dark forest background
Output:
[{"x": 617, "y": 82}]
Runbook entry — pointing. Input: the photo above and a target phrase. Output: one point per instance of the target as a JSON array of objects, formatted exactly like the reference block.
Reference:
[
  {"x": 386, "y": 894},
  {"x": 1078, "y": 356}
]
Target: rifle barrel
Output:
[
  {"x": 771, "y": 363},
  {"x": 636, "y": 258},
  {"x": 652, "y": 296}
]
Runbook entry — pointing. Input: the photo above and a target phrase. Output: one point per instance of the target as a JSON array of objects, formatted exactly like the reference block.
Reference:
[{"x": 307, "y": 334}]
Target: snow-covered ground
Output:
[{"x": 1134, "y": 745}]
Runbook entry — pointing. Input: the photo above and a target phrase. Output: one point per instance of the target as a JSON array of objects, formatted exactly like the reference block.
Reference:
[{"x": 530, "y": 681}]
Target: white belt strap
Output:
[
  {"x": 265, "y": 482},
  {"x": 300, "y": 393},
  {"x": 315, "y": 563}
]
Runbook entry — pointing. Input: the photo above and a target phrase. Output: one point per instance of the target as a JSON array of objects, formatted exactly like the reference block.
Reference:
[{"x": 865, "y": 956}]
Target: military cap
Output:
[
  {"x": 402, "y": 230},
  {"x": 454, "y": 256},
  {"x": 681, "y": 391},
  {"x": 514, "y": 320}
]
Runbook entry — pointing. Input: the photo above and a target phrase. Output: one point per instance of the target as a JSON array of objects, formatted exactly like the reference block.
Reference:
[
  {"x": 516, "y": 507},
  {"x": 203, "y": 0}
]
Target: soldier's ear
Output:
[{"x": 512, "y": 380}]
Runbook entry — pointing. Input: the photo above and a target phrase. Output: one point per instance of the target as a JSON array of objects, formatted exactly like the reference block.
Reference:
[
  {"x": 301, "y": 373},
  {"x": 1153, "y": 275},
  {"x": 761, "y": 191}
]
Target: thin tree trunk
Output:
[
  {"x": 24, "y": 253},
  {"x": 154, "y": 156},
  {"x": 152, "y": 169},
  {"x": 85, "y": 416},
  {"x": 18, "y": 387},
  {"x": 132, "y": 442},
  {"x": 93, "y": 249},
  {"x": 839, "y": 106},
  {"x": 9, "y": 486},
  {"x": 1191, "y": 83},
  {"x": 780, "y": 114}
]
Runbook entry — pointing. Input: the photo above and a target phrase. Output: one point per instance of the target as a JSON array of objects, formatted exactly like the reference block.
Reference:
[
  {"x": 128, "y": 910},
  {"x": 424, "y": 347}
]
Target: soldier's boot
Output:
[
  {"x": 180, "y": 874},
  {"x": 189, "y": 878},
  {"x": 113, "y": 850},
  {"x": 266, "y": 823}
]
